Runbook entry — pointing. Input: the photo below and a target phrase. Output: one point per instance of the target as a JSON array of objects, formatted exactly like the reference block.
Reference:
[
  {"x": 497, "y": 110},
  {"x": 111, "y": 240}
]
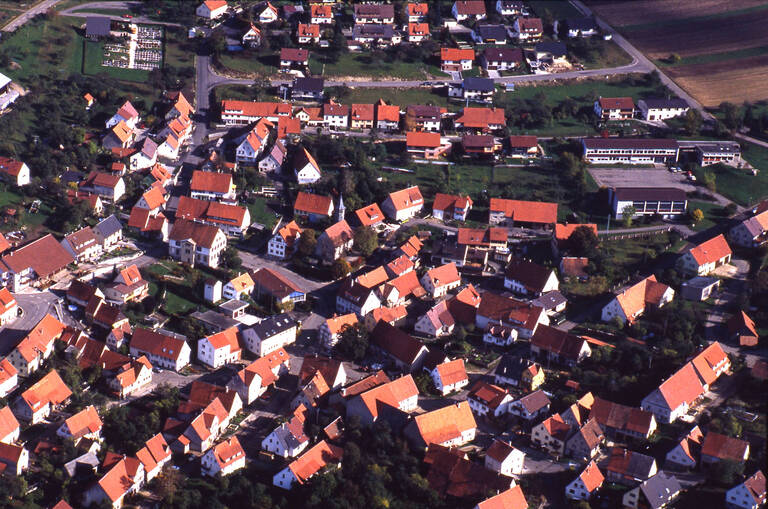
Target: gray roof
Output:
[
  {"x": 308, "y": 84},
  {"x": 660, "y": 489},
  {"x": 556, "y": 49},
  {"x": 512, "y": 366},
  {"x": 550, "y": 300},
  {"x": 496, "y": 32},
  {"x": 649, "y": 193},
  {"x": 480, "y": 84},
  {"x": 701, "y": 282},
  {"x": 214, "y": 320},
  {"x": 233, "y": 305},
  {"x": 661, "y": 103},
  {"x": 97, "y": 25},
  {"x": 87, "y": 459},
  {"x": 370, "y": 30},
  {"x": 108, "y": 226},
  {"x": 148, "y": 147},
  {"x": 274, "y": 325}
]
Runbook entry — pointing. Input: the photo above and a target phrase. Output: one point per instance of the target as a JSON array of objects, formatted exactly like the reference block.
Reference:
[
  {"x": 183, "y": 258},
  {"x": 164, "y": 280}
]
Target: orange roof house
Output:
[
  {"x": 513, "y": 498},
  {"x": 632, "y": 302},
  {"x": 675, "y": 395},
  {"x": 312, "y": 205},
  {"x": 742, "y": 327},
  {"x": 450, "y": 376},
  {"x": 454, "y": 57},
  {"x": 481, "y": 119},
  {"x": 308, "y": 464},
  {"x": 703, "y": 259},
  {"x": 387, "y": 116},
  {"x": 370, "y": 215},
  {"x": 451, "y": 425},
  {"x": 37, "y": 402},
  {"x": 403, "y": 204},
  {"x": 84, "y": 424},
  {"x": 519, "y": 212}
]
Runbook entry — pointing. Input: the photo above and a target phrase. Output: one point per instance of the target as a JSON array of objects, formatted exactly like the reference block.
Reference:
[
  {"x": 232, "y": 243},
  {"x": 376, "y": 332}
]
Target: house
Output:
[
  {"x": 109, "y": 232},
  {"x": 369, "y": 403},
  {"x": 361, "y": 116},
  {"x": 375, "y": 35},
  {"x": 528, "y": 29},
  {"x": 353, "y": 297},
  {"x": 131, "y": 377},
  {"x": 531, "y": 406},
  {"x": 418, "y": 32},
  {"x": 710, "y": 364},
  {"x": 284, "y": 243},
  {"x": 750, "y": 494},
  {"x": 456, "y": 60},
  {"x": 480, "y": 120},
  {"x": 84, "y": 424},
  {"x": 30, "y": 353},
  {"x": 452, "y": 425},
  {"x": 270, "y": 334},
  {"x": 162, "y": 350},
  {"x": 233, "y": 220},
  {"x": 320, "y": 14},
  {"x": 426, "y": 145},
  {"x": 36, "y": 262},
  {"x": 394, "y": 316},
  {"x": 450, "y": 376},
  {"x": 194, "y": 243},
  {"x": 510, "y": 7},
  {"x": 336, "y": 116},
  {"x": 473, "y": 89},
  {"x": 662, "y": 109},
  {"x": 521, "y": 316},
  {"x": 632, "y": 302},
  {"x": 212, "y": 186},
  {"x": 468, "y": 10},
  {"x": 223, "y": 458},
  {"x": 559, "y": 346},
  {"x": 501, "y": 59},
  {"x": 685, "y": 454},
  {"x": 501, "y": 457},
  {"x": 14, "y": 172},
  {"x": 485, "y": 398},
  {"x": 489, "y": 34},
  {"x": 586, "y": 484},
  {"x": 370, "y": 215},
  {"x": 387, "y": 116},
  {"x": 581, "y": 27},
  {"x": 630, "y": 150},
  {"x": 247, "y": 112},
  {"x": 516, "y": 371},
  {"x": 628, "y": 467},
  {"x": 80, "y": 293},
  {"x": 522, "y": 214},
  {"x": 551, "y": 435},
  {"x": 253, "y": 380},
  {"x": 145, "y": 155},
  {"x": 211, "y": 9},
  {"x": 551, "y": 52},
  {"x": 451, "y": 207},
  {"x": 124, "y": 476},
  {"x": 614, "y": 108},
  {"x": 672, "y": 399},
  {"x": 296, "y": 58},
  {"x": 305, "y": 167},
  {"x": 128, "y": 286},
  {"x": 312, "y": 207},
  {"x": 220, "y": 349},
  {"x": 751, "y": 232},
  {"x": 584, "y": 444},
  {"x": 154, "y": 456},
  {"x": 512, "y": 498},
  {"x": 120, "y": 136},
  {"x": 439, "y": 280},
  {"x": 379, "y": 14},
  {"x": 287, "y": 440},
  {"x": 436, "y": 322},
  {"x": 703, "y": 259},
  {"x": 252, "y": 38},
  {"x": 9, "y": 308},
  {"x": 110, "y": 188},
  {"x": 717, "y": 447},
  {"x": 727, "y": 152},
  {"x": 14, "y": 459},
  {"x": 47, "y": 394},
  {"x": 656, "y": 492},
  {"x": 308, "y": 464},
  {"x": 75, "y": 197},
  {"x": 417, "y": 13},
  {"x": 9, "y": 426},
  {"x": 307, "y": 89},
  {"x": 254, "y": 143},
  {"x": 621, "y": 420},
  {"x": 127, "y": 114},
  {"x": 648, "y": 201},
  {"x": 403, "y": 204},
  {"x": 423, "y": 118},
  {"x": 148, "y": 225},
  {"x": 405, "y": 351},
  {"x": 239, "y": 286},
  {"x": 336, "y": 240},
  {"x": 82, "y": 245},
  {"x": 267, "y": 13},
  {"x": 329, "y": 331},
  {"x": 742, "y": 328},
  {"x": 273, "y": 162},
  {"x": 528, "y": 278}
]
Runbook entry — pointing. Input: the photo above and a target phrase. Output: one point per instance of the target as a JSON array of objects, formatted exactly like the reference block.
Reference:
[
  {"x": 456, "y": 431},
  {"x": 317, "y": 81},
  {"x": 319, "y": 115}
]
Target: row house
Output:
[
  {"x": 387, "y": 116},
  {"x": 285, "y": 241},
  {"x": 452, "y": 425},
  {"x": 43, "y": 397},
  {"x": 232, "y": 220},
  {"x": 631, "y": 303},
  {"x": 379, "y": 14},
  {"x": 162, "y": 350},
  {"x": 212, "y": 186},
  {"x": 662, "y": 109}
]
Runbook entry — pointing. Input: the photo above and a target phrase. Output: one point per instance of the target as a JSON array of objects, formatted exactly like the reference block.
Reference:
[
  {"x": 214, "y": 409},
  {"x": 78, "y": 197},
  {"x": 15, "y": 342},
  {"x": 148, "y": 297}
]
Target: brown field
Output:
[
  {"x": 744, "y": 79},
  {"x": 643, "y": 11},
  {"x": 705, "y": 37}
]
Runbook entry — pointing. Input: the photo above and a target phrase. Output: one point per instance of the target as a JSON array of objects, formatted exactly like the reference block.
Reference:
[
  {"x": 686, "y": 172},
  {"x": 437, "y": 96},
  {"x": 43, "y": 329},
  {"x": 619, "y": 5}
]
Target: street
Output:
[{"x": 38, "y": 8}]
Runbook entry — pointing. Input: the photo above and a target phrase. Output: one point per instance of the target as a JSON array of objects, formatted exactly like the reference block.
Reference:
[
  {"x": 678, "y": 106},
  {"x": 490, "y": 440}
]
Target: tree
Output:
[
  {"x": 709, "y": 180},
  {"x": 232, "y": 259},
  {"x": 366, "y": 241},
  {"x": 307, "y": 242},
  {"x": 732, "y": 116},
  {"x": 341, "y": 268},
  {"x": 727, "y": 472},
  {"x": 697, "y": 215},
  {"x": 583, "y": 242},
  {"x": 674, "y": 58},
  {"x": 627, "y": 214},
  {"x": 353, "y": 342},
  {"x": 692, "y": 122}
]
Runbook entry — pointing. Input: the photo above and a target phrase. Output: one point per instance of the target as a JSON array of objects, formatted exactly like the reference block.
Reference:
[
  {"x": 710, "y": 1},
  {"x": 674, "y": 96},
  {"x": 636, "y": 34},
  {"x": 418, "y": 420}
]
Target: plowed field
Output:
[{"x": 745, "y": 79}]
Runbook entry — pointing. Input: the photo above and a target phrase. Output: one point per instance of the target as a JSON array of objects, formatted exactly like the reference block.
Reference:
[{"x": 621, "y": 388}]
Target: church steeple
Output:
[{"x": 341, "y": 210}]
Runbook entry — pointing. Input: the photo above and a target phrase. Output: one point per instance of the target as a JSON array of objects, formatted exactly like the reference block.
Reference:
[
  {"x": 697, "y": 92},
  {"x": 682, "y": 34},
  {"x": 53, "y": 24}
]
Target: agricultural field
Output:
[{"x": 719, "y": 46}]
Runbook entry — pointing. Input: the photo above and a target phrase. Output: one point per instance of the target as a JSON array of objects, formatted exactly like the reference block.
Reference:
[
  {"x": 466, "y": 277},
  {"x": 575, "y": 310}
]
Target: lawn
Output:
[
  {"x": 740, "y": 185},
  {"x": 248, "y": 62},
  {"x": 712, "y": 58},
  {"x": 94, "y": 51},
  {"x": 176, "y": 289},
  {"x": 400, "y": 96},
  {"x": 581, "y": 90},
  {"x": 261, "y": 213},
  {"x": 361, "y": 64},
  {"x": 558, "y": 8},
  {"x": 713, "y": 214},
  {"x": 613, "y": 56}
]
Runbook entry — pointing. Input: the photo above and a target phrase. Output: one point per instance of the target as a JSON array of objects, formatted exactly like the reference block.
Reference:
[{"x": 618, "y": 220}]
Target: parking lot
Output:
[{"x": 641, "y": 177}]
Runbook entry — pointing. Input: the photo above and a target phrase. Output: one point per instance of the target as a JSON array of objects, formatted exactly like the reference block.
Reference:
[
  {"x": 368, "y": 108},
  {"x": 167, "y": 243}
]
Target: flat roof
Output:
[
  {"x": 630, "y": 143},
  {"x": 649, "y": 193}
]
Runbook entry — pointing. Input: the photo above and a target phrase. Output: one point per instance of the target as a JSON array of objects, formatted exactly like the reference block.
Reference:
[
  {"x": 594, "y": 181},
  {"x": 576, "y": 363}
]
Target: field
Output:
[
  {"x": 401, "y": 96},
  {"x": 721, "y": 44},
  {"x": 740, "y": 185},
  {"x": 92, "y": 65}
]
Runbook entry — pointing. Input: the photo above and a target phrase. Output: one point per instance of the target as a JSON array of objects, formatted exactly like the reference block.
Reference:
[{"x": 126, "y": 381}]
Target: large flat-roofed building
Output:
[
  {"x": 630, "y": 150},
  {"x": 717, "y": 152},
  {"x": 665, "y": 201}
]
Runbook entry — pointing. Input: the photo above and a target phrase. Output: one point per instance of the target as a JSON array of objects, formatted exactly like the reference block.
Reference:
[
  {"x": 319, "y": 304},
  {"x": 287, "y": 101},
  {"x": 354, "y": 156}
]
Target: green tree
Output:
[
  {"x": 340, "y": 268},
  {"x": 727, "y": 472},
  {"x": 366, "y": 241},
  {"x": 627, "y": 214},
  {"x": 692, "y": 122},
  {"x": 697, "y": 215},
  {"x": 709, "y": 180},
  {"x": 674, "y": 58},
  {"x": 307, "y": 242},
  {"x": 232, "y": 259},
  {"x": 353, "y": 342},
  {"x": 731, "y": 115},
  {"x": 583, "y": 242}
]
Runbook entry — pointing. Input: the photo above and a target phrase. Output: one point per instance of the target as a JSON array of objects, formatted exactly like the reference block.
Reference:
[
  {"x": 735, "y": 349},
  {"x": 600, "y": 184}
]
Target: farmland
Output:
[{"x": 718, "y": 43}]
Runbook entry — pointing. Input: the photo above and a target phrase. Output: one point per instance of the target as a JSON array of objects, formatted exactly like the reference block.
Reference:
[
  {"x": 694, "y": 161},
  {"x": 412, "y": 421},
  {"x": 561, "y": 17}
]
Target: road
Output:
[
  {"x": 81, "y": 11},
  {"x": 35, "y": 305},
  {"x": 30, "y": 13},
  {"x": 252, "y": 261}
]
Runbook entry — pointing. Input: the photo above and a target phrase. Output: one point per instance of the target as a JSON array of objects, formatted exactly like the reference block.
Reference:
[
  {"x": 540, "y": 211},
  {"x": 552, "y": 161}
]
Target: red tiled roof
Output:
[
  {"x": 314, "y": 460},
  {"x": 523, "y": 141},
  {"x": 362, "y": 112},
  {"x": 294, "y": 54},
  {"x": 513, "y": 498},
  {"x": 481, "y": 118},
  {"x": 452, "y": 372},
  {"x": 455, "y": 54},
  {"x": 711, "y": 251},
  {"x": 445, "y": 423},
  {"x": 526, "y": 211},
  {"x": 616, "y": 103},
  {"x": 211, "y": 182},
  {"x": 370, "y": 215},
  {"x": 724, "y": 447},
  {"x": 389, "y": 113},
  {"x": 419, "y": 139},
  {"x": 470, "y": 7},
  {"x": 406, "y": 198},
  {"x": 313, "y": 203},
  {"x": 256, "y": 109}
]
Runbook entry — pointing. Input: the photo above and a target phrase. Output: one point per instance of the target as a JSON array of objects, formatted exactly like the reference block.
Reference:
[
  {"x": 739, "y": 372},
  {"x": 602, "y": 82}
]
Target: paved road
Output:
[
  {"x": 752, "y": 140},
  {"x": 81, "y": 11},
  {"x": 29, "y": 14},
  {"x": 35, "y": 305},
  {"x": 253, "y": 261}
]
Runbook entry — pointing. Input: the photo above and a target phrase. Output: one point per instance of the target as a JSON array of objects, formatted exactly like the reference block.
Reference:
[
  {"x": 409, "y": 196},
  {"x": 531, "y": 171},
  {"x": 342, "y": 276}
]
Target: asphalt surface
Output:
[
  {"x": 29, "y": 14},
  {"x": 35, "y": 305},
  {"x": 81, "y": 11}
]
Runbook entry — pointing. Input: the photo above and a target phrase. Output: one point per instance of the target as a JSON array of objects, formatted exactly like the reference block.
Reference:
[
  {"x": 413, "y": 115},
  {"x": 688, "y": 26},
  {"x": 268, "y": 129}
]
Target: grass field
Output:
[
  {"x": 400, "y": 96},
  {"x": 261, "y": 213},
  {"x": 92, "y": 65},
  {"x": 175, "y": 302},
  {"x": 713, "y": 213},
  {"x": 715, "y": 57},
  {"x": 558, "y": 8},
  {"x": 740, "y": 185}
]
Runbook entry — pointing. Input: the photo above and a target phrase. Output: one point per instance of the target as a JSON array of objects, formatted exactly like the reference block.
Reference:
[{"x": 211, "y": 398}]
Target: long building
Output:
[
  {"x": 647, "y": 201},
  {"x": 246, "y": 112},
  {"x": 630, "y": 150}
]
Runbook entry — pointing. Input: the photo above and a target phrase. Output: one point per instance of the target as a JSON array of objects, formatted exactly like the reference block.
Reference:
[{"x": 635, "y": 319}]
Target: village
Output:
[{"x": 533, "y": 276}]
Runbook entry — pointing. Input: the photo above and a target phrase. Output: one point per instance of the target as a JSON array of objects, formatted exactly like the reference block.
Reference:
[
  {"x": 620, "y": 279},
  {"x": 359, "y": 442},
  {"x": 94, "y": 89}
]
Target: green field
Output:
[
  {"x": 247, "y": 63},
  {"x": 740, "y": 185},
  {"x": 613, "y": 56},
  {"x": 580, "y": 91},
  {"x": 400, "y": 96},
  {"x": 558, "y": 8},
  {"x": 261, "y": 213},
  {"x": 712, "y": 58},
  {"x": 175, "y": 302},
  {"x": 713, "y": 213},
  {"x": 667, "y": 23}
]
